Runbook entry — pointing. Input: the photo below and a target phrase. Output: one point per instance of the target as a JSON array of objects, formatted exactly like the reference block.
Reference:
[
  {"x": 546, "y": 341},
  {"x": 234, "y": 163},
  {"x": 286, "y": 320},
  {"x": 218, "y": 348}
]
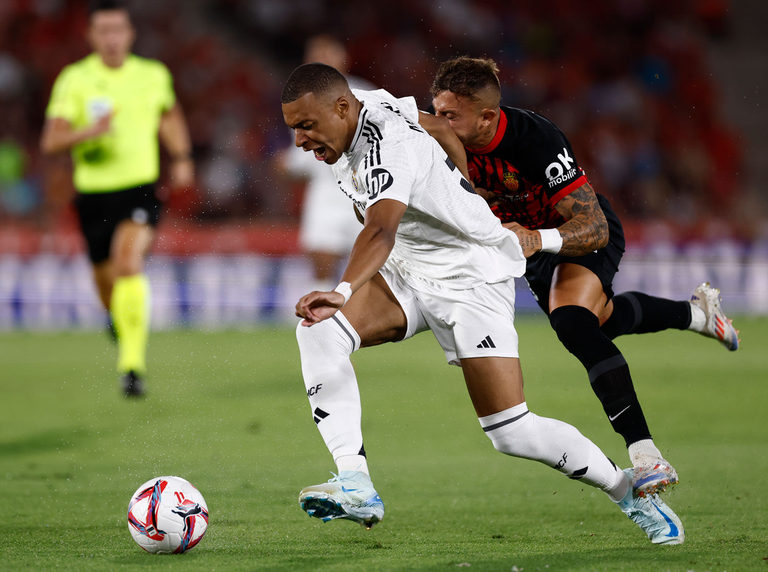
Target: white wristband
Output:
[
  {"x": 551, "y": 241},
  {"x": 345, "y": 289}
]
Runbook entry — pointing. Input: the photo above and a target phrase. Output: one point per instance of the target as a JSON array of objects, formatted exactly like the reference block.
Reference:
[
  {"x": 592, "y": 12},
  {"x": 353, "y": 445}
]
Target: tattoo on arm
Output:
[
  {"x": 586, "y": 229},
  {"x": 530, "y": 242}
]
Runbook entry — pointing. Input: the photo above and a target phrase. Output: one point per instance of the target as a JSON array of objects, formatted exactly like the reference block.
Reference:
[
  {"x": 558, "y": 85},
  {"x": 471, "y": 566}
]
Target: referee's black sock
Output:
[
  {"x": 579, "y": 331},
  {"x": 638, "y": 313}
]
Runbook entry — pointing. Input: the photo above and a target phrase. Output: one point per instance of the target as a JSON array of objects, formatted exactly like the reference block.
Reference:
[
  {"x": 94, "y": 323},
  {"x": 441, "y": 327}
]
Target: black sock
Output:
[
  {"x": 638, "y": 313},
  {"x": 579, "y": 331}
]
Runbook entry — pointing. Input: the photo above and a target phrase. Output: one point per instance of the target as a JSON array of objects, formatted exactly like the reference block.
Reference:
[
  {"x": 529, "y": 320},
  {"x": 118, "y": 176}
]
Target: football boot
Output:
[{"x": 349, "y": 495}]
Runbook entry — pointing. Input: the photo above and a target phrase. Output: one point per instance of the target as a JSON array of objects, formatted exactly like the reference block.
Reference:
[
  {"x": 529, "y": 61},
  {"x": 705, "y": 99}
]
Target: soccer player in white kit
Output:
[
  {"x": 328, "y": 223},
  {"x": 431, "y": 255}
]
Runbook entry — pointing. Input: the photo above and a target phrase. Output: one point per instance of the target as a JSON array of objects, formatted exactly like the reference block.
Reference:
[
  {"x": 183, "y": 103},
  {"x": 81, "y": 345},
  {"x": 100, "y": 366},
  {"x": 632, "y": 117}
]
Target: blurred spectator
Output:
[{"x": 18, "y": 196}]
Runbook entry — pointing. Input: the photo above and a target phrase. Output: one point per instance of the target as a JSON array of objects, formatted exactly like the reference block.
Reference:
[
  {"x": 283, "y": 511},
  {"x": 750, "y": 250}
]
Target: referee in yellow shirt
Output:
[{"x": 108, "y": 109}]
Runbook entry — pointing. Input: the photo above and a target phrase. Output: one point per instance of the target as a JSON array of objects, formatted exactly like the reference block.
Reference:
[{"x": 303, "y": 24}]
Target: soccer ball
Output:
[{"x": 167, "y": 515}]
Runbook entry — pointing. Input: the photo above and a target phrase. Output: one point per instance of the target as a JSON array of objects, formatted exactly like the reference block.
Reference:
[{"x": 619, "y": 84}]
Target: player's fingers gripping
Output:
[
  {"x": 325, "y": 304},
  {"x": 318, "y": 306},
  {"x": 309, "y": 317},
  {"x": 302, "y": 307}
]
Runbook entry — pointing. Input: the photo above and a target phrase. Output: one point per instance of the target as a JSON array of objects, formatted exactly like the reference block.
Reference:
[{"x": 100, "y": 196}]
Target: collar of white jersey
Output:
[{"x": 361, "y": 119}]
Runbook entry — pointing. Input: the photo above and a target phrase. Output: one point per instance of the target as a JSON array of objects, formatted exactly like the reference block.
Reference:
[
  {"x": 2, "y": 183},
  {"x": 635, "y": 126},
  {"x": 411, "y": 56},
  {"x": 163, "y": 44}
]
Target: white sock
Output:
[
  {"x": 698, "y": 319},
  {"x": 331, "y": 383},
  {"x": 520, "y": 433},
  {"x": 353, "y": 463},
  {"x": 643, "y": 452}
]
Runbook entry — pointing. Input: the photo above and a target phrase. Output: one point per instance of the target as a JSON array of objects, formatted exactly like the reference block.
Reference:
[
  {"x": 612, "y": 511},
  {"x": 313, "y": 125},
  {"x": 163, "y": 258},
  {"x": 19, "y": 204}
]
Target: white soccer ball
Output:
[{"x": 167, "y": 515}]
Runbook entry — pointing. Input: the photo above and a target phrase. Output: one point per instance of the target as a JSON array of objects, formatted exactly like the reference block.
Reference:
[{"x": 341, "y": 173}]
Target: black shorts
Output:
[
  {"x": 604, "y": 263},
  {"x": 100, "y": 213}
]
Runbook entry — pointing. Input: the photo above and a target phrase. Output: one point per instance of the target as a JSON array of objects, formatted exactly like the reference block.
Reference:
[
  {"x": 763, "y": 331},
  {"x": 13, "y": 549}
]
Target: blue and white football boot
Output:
[
  {"x": 660, "y": 524},
  {"x": 350, "y": 495},
  {"x": 653, "y": 478},
  {"x": 717, "y": 325}
]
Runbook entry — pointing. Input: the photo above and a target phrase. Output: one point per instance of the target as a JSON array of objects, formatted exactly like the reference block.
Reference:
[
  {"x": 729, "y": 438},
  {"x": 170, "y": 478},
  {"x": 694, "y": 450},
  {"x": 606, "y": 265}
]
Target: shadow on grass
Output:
[{"x": 52, "y": 440}]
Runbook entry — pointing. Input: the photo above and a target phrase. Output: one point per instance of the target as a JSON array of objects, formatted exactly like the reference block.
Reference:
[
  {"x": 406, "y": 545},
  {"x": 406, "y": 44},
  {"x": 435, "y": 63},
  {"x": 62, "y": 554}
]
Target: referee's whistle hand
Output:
[{"x": 103, "y": 125}]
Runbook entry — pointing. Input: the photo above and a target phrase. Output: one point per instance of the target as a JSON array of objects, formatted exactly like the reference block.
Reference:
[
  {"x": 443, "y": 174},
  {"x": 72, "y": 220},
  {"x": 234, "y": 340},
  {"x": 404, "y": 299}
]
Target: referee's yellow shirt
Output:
[{"x": 138, "y": 93}]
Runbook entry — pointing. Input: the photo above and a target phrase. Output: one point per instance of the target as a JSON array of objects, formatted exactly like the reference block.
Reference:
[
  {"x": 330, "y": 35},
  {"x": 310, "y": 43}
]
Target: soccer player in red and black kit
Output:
[{"x": 525, "y": 167}]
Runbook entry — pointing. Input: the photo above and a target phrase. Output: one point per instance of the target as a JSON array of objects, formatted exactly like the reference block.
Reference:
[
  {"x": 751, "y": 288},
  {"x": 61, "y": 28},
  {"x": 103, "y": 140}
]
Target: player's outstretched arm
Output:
[
  {"x": 59, "y": 135},
  {"x": 440, "y": 130},
  {"x": 369, "y": 253}
]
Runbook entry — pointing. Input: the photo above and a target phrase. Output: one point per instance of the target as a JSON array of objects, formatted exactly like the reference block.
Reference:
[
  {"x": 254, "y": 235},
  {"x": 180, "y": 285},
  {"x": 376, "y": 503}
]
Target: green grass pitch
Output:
[{"x": 227, "y": 411}]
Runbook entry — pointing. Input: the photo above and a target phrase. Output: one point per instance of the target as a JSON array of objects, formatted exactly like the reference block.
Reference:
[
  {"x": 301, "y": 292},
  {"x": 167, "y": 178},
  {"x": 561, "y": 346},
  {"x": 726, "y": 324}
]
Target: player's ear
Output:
[
  {"x": 342, "y": 107},
  {"x": 487, "y": 116}
]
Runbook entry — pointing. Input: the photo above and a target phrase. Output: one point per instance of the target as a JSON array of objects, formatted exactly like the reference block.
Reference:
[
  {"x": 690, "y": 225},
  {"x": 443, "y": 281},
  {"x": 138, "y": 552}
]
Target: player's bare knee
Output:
[
  {"x": 125, "y": 261},
  {"x": 127, "y": 267}
]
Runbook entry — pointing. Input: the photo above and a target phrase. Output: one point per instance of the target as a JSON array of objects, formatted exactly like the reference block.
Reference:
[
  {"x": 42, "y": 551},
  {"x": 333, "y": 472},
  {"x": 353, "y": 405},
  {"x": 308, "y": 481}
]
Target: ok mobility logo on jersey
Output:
[
  {"x": 560, "y": 172},
  {"x": 379, "y": 180}
]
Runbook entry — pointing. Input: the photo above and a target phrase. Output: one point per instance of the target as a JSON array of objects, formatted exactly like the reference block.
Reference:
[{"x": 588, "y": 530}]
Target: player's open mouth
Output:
[{"x": 319, "y": 153}]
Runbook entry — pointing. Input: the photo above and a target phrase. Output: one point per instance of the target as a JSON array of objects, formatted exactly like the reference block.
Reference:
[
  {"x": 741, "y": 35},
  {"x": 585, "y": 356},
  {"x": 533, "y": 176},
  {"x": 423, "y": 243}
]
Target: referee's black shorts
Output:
[
  {"x": 100, "y": 213},
  {"x": 604, "y": 263}
]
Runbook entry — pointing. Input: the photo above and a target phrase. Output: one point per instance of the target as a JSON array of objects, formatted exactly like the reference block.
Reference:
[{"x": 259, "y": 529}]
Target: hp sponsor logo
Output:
[{"x": 379, "y": 181}]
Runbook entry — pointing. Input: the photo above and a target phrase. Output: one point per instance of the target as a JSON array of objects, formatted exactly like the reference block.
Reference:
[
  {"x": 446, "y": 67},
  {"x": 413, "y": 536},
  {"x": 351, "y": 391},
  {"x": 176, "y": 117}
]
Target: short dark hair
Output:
[
  {"x": 312, "y": 78},
  {"x": 466, "y": 76},
  {"x": 103, "y": 5}
]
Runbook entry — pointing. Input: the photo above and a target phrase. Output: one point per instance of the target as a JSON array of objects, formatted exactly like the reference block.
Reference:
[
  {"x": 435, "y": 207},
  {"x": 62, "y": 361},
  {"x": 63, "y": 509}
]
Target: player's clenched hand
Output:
[
  {"x": 182, "y": 173},
  {"x": 530, "y": 240},
  {"x": 318, "y": 306}
]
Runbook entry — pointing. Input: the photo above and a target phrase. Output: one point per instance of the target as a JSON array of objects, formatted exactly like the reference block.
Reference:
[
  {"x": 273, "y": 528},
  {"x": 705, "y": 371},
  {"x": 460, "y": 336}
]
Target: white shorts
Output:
[{"x": 478, "y": 322}]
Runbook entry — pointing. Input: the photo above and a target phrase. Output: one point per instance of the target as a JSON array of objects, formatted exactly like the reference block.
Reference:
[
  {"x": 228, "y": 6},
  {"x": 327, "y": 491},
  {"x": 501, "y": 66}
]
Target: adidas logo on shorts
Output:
[{"x": 486, "y": 343}]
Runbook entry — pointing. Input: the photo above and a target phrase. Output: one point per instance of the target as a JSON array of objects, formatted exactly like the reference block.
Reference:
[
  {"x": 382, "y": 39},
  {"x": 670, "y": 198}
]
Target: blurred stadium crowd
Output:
[{"x": 626, "y": 80}]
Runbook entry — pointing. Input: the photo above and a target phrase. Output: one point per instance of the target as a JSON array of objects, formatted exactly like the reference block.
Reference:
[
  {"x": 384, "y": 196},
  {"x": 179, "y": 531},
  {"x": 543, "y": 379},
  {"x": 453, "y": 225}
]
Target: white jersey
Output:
[{"x": 448, "y": 235}]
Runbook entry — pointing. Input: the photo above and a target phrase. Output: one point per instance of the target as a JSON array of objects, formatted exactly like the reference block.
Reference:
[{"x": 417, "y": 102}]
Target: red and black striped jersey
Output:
[{"x": 528, "y": 166}]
